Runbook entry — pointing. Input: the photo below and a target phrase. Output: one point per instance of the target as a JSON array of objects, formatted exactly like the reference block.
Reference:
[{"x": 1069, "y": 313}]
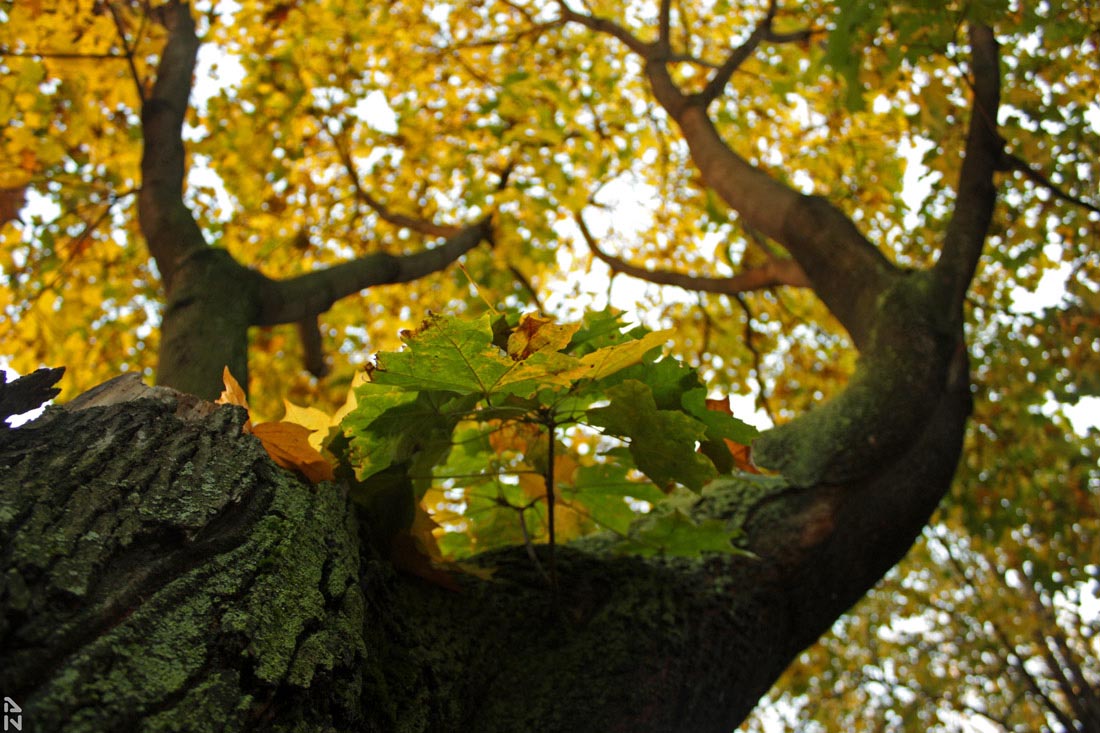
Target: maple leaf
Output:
[
  {"x": 534, "y": 334},
  {"x": 610, "y": 359},
  {"x": 416, "y": 551},
  {"x": 233, "y": 394},
  {"x": 317, "y": 421},
  {"x": 662, "y": 442},
  {"x": 286, "y": 443},
  {"x": 741, "y": 452}
]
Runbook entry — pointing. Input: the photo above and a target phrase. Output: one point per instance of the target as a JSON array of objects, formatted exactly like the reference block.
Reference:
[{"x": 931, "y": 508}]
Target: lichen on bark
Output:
[
  {"x": 173, "y": 575},
  {"x": 901, "y": 370}
]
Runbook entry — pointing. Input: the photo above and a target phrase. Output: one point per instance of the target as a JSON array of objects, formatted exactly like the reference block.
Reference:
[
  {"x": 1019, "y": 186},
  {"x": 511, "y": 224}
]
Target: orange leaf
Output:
[
  {"x": 742, "y": 454},
  {"x": 288, "y": 445},
  {"x": 232, "y": 394}
]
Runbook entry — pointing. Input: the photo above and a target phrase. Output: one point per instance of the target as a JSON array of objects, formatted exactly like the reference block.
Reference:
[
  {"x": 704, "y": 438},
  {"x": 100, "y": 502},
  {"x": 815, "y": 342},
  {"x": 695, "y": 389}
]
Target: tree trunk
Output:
[{"x": 159, "y": 572}]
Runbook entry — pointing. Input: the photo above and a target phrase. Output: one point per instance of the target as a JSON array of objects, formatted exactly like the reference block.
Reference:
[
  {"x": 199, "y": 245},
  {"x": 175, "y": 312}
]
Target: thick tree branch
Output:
[
  {"x": 844, "y": 268},
  {"x": 308, "y": 295},
  {"x": 966, "y": 232},
  {"x": 250, "y": 583},
  {"x": 169, "y": 228},
  {"x": 775, "y": 272}
]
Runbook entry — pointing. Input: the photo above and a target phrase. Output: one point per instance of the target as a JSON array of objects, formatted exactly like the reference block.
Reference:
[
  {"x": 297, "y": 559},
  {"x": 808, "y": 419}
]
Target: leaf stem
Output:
[{"x": 551, "y": 436}]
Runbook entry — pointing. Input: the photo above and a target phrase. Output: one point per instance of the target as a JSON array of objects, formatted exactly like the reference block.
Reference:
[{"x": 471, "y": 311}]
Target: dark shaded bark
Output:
[{"x": 211, "y": 299}]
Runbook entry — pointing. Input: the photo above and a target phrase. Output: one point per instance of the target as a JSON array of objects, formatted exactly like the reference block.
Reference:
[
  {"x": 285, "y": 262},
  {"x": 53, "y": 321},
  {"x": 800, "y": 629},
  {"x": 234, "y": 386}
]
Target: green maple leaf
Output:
[
  {"x": 719, "y": 424},
  {"x": 391, "y": 426},
  {"x": 602, "y": 490},
  {"x": 662, "y": 442},
  {"x": 668, "y": 378},
  {"x": 459, "y": 356}
]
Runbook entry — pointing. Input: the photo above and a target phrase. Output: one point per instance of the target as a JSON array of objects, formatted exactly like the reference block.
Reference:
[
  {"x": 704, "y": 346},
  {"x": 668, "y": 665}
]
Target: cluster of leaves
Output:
[
  {"x": 520, "y": 430},
  {"x": 514, "y": 429}
]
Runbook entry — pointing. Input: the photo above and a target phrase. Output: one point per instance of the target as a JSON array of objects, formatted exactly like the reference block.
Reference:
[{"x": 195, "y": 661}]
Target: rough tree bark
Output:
[{"x": 160, "y": 573}]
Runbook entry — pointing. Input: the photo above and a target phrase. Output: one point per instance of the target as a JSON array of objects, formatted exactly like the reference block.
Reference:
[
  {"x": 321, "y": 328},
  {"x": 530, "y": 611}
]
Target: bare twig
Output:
[
  {"x": 421, "y": 226},
  {"x": 757, "y": 359},
  {"x": 1016, "y": 163},
  {"x": 526, "y": 283},
  {"x": 138, "y": 81}
]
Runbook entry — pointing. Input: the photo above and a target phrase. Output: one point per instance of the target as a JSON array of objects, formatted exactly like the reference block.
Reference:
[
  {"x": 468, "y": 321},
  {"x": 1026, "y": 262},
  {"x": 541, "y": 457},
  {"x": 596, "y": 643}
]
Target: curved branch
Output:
[
  {"x": 1015, "y": 163},
  {"x": 167, "y": 224},
  {"x": 846, "y": 271},
  {"x": 421, "y": 226},
  {"x": 304, "y": 296},
  {"x": 610, "y": 28},
  {"x": 775, "y": 272},
  {"x": 977, "y": 194},
  {"x": 736, "y": 58}
]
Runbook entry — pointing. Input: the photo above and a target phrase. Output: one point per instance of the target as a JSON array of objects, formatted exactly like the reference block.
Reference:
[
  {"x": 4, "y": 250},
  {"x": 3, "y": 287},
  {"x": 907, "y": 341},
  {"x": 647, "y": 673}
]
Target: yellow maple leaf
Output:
[
  {"x": 232, "y": 394},
  {"x": 288, "y": 445},
  {"x": 535, "y": 333},
  {"x": 317, "y": 421}
]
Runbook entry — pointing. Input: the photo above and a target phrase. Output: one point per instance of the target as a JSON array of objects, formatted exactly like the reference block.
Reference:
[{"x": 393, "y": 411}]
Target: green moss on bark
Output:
[
  {"x": 175, "y": 576},
  {"x": 898, "y": 379}
]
